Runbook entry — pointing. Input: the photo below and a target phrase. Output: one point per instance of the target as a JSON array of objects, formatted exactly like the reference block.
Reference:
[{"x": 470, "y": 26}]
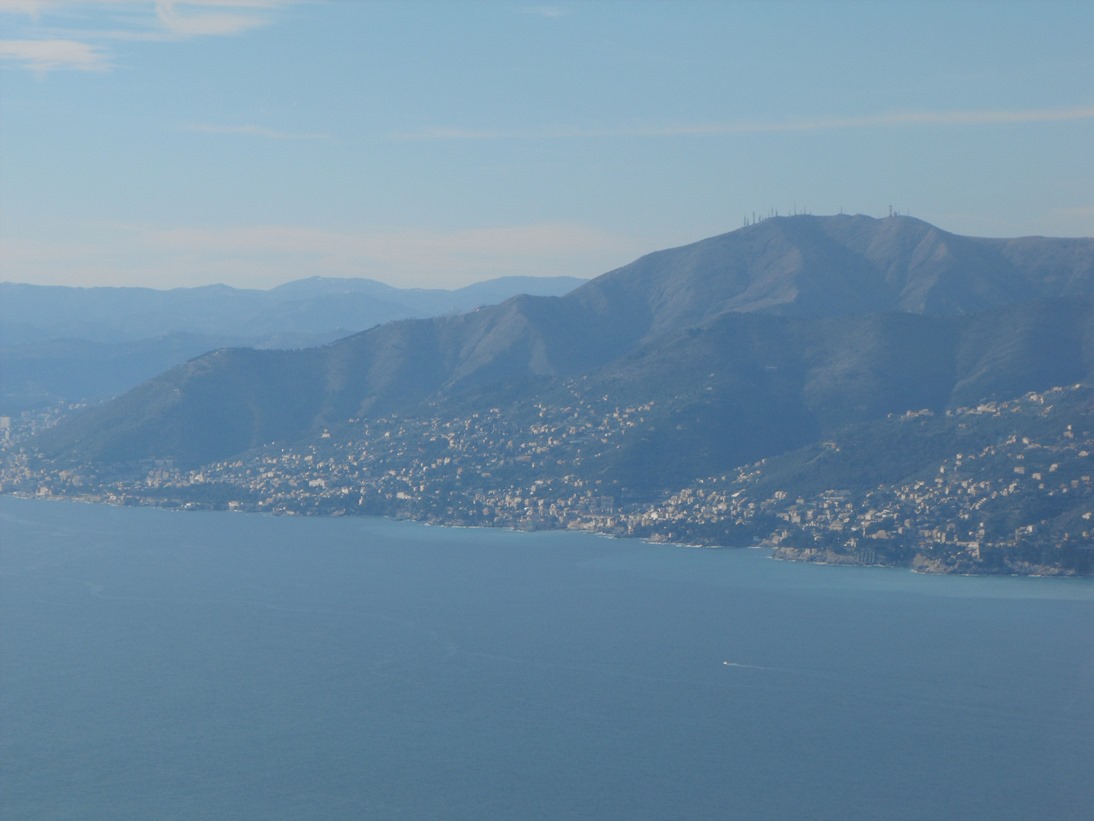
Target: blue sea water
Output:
[{"x": 164, "y": 665}]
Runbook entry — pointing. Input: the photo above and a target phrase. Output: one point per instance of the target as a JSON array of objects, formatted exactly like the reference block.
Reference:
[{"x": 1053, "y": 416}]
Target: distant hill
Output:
[
  {"x": 313, "y": 306},
  {"x": 63, "y": 343}
]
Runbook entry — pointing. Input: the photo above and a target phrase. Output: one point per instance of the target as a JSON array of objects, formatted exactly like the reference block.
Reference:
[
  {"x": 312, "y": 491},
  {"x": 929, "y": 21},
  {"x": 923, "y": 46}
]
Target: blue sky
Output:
[{"x": 435, "y": 144}]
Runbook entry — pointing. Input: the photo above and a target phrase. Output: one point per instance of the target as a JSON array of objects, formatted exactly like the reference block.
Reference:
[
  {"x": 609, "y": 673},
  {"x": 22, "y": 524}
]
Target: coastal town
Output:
[{"x": 1021, "y": 503}]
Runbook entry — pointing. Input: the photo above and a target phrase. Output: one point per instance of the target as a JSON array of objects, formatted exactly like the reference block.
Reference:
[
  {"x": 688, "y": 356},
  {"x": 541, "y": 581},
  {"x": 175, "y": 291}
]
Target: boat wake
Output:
[{"x": 738, "y": 664}]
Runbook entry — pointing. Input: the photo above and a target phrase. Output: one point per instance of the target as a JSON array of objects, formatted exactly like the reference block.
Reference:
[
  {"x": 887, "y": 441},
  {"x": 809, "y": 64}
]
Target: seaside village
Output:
[{"x": 488, "y": 470}]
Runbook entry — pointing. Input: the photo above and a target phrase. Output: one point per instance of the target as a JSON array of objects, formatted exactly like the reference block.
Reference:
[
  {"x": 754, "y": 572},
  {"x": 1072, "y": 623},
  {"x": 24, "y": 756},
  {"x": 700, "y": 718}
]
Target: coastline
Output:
[{"x": 918, "y": 563}]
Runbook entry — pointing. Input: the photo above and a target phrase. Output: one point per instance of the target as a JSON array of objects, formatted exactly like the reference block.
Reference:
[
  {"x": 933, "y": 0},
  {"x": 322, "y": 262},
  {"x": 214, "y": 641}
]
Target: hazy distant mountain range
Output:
[
  {"x": 699, "y": 360},
  {"x": 65, "y": 343}
]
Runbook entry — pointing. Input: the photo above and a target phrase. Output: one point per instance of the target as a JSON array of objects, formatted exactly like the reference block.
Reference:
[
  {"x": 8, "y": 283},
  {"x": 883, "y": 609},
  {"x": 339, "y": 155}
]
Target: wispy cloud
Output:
[
  {"x": 953, "y": 117},
  {"x": 42, "y": 56},
  {"x": 47, "y": 35},
  {"x": 249, "y": 130},
  {"x": 966, "y": 117},
  {"x": 205, "y": 23},
  {"x": 30, "y": 8}
]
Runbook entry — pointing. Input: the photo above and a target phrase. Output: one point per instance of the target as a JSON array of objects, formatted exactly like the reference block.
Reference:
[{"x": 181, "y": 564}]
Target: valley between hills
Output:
[{"x": 840, "y": 389}]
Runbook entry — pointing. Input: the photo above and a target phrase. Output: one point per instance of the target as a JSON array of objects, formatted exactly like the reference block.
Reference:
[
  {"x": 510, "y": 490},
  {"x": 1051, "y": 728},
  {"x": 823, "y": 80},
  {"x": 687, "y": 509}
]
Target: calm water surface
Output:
[{"x": 159, "y": 665}]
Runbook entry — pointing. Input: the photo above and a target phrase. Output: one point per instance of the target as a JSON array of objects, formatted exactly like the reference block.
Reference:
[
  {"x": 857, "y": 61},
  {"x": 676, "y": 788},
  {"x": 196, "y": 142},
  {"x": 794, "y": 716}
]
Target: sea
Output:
[{"x": 197, "y": 665}]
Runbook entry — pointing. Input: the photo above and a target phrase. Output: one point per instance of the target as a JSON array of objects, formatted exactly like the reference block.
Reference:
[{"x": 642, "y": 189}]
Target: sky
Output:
[{"x": 434, "y": 144}]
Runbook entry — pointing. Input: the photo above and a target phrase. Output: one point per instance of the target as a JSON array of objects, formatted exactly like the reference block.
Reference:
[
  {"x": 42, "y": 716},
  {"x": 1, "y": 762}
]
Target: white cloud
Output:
[
  {"x": 967, "y": 117},
  {"x": 71, "y": 34},
  {"x": 48, "y": 55},
  {"x": 204, "y": 23},
  {"x": 30, "y": 8}
]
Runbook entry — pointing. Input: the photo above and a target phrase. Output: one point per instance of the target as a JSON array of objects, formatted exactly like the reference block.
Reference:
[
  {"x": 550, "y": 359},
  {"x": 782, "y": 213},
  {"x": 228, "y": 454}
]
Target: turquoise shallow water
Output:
[{"x": 159, "y": 665}]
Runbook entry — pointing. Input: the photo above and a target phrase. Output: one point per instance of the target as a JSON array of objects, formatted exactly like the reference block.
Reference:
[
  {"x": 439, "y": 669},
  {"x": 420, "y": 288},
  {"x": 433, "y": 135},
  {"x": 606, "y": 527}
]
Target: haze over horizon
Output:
[{"x": 254, "y": 142}]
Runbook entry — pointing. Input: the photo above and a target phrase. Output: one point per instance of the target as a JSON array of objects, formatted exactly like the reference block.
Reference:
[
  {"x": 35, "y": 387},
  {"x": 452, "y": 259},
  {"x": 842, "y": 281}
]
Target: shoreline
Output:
[{"x": 783, "y": 553}]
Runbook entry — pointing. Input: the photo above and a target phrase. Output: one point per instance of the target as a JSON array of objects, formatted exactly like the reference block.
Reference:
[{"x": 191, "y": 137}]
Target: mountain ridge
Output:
[
  {"x": 652, "y": 301},
  {"x": 131, "y": 334},
  {"x": 314, "y": 305}
]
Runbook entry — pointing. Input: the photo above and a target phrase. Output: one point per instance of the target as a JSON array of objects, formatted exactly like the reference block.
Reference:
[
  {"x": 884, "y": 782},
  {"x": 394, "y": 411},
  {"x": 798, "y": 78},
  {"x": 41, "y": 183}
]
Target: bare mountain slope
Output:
[{"x": 770, "y": 334}]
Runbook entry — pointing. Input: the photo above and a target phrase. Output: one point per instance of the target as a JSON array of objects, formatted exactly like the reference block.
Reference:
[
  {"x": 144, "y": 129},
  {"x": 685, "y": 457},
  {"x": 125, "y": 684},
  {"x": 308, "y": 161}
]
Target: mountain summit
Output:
[{"x": 841, "y": 265}]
